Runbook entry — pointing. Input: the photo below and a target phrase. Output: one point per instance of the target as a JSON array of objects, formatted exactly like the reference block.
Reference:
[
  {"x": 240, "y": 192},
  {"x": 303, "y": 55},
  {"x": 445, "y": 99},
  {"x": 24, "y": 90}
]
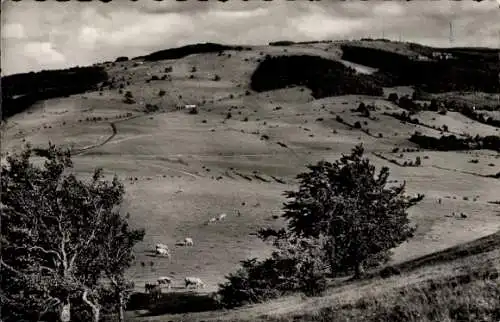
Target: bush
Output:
[
  {"x": 357, "y": 125},
  {"x": 216, "y": 78},
  {"x": 393, "y": 97},
  {"x": 121, "y": 59},
  {"x": 296, "y": 266},
  {"x": 162, "y": 93}
]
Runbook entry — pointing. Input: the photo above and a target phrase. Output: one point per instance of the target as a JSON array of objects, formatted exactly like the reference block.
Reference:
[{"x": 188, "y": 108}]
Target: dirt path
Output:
[{"x": 113, "y": 134}]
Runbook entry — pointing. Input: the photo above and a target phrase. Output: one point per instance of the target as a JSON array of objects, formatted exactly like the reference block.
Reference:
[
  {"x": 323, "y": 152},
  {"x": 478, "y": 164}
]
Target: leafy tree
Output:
[
  {"x": 350, "y": 206},
  {"x": 64, "y": 243}
]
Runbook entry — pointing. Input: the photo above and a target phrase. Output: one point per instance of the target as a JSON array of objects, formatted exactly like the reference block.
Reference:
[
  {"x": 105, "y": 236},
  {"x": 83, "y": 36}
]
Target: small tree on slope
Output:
[
  {"x": 347, "y": 204},
  {"x": 62, "y": 238}
]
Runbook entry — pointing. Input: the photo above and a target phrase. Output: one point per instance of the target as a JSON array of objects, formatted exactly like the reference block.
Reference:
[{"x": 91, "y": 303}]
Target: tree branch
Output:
[
  {"x": 48, "y": 306},
  {"x": 12, "y": 269},
  {"x": 44, "y": 251}
]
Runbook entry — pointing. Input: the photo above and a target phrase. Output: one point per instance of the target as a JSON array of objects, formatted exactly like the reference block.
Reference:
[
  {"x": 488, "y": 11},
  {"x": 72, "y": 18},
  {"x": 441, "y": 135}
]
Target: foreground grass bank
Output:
[{"x": 478, "y": 300}]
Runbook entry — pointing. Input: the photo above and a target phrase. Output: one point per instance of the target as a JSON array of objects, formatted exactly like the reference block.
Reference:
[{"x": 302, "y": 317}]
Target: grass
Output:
[{"x": 474, "y": 301}]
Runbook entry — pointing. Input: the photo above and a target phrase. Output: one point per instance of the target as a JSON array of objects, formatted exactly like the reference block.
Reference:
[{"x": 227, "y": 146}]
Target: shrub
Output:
[
  {"x": 357, "y": 125},
  {"x": 121, "y": 59},
  {"x": 162, "y": 93},
  {"x": 128, "y": 100},
  {"x": 216, "y": 78},
  {"x": 393, "y": 97},
  {"x": 296, "y": 266}
]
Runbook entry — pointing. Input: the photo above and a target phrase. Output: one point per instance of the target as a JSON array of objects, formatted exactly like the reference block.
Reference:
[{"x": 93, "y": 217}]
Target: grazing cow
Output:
[
  {"x": 165, "y": 280},
  {"x": 221, "y": 216},
  {"x": 149, "y": 287},
  {"x": 161, "y": 246},
  {"x": 163, "y": 252},
  {"x": 155, "y": 292},
  {"x": 196, "y": 281},
  {"x": 188, "y": 241}
]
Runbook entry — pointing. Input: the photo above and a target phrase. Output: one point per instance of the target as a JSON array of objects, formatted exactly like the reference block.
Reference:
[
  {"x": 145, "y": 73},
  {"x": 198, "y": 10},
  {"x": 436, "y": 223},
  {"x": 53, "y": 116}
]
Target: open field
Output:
[{"x": 181, "y": 169}]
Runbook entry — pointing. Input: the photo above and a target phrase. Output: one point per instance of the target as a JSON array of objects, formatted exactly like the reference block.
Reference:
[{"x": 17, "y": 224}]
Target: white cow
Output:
[
  {"x": 163, "y": 252},
  {"x": 165, "y": 280},
  {"x": 161, "y": 246},
  {"x": 196, "y": 281},
  {"x": 221, "y": 216},
  {"x": 188, "y": 241}
]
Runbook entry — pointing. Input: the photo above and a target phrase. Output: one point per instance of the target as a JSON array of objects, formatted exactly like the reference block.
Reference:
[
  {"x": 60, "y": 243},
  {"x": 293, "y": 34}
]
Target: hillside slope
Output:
[{"x": 244, "y": 148}]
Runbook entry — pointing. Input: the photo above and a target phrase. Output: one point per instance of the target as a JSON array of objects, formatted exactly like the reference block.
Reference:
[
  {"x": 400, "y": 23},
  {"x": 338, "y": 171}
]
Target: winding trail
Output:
[{"x": 113, "y": 134}]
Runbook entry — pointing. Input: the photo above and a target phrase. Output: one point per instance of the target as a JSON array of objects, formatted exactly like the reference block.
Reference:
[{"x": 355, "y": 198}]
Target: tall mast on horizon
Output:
[{"x": 451, "y": 33}]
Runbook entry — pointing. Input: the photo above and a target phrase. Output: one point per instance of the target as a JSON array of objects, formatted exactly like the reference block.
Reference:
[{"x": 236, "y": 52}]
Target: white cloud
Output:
[
  {"x": 13, "y": 30},
  {"x": 40, "y": 35},
  {"x": 88, "y": 36},
  {"x": 43, "y": 52}
]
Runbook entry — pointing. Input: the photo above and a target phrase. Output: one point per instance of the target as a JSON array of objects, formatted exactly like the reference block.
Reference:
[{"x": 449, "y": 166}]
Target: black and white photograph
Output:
[{"x": 269, "y": 161}]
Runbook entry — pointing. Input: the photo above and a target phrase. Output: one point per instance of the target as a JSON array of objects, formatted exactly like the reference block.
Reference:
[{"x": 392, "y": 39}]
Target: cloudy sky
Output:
[{"x": 48, "y": 35}]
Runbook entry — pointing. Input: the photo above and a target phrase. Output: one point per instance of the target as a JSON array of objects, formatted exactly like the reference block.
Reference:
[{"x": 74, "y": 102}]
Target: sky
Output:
[{"x": 50, "y": 35}]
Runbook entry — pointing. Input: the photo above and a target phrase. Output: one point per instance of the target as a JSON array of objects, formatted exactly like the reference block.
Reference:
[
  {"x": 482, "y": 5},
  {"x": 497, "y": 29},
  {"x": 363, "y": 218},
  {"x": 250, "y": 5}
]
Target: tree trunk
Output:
[
  {"x": 65, "y": 315},
  {"x": 96, "y": 313},
  {"x": 360, "y": 271},
  {"x": 94, "y": 306},
  {"x": 121, "y": 304}
]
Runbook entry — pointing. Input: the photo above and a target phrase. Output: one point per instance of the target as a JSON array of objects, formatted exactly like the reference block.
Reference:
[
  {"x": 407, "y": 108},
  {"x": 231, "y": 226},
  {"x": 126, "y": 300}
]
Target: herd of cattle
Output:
[
  {"x": 154, "y": 289},
  {"x": 162, "y": 250}
]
